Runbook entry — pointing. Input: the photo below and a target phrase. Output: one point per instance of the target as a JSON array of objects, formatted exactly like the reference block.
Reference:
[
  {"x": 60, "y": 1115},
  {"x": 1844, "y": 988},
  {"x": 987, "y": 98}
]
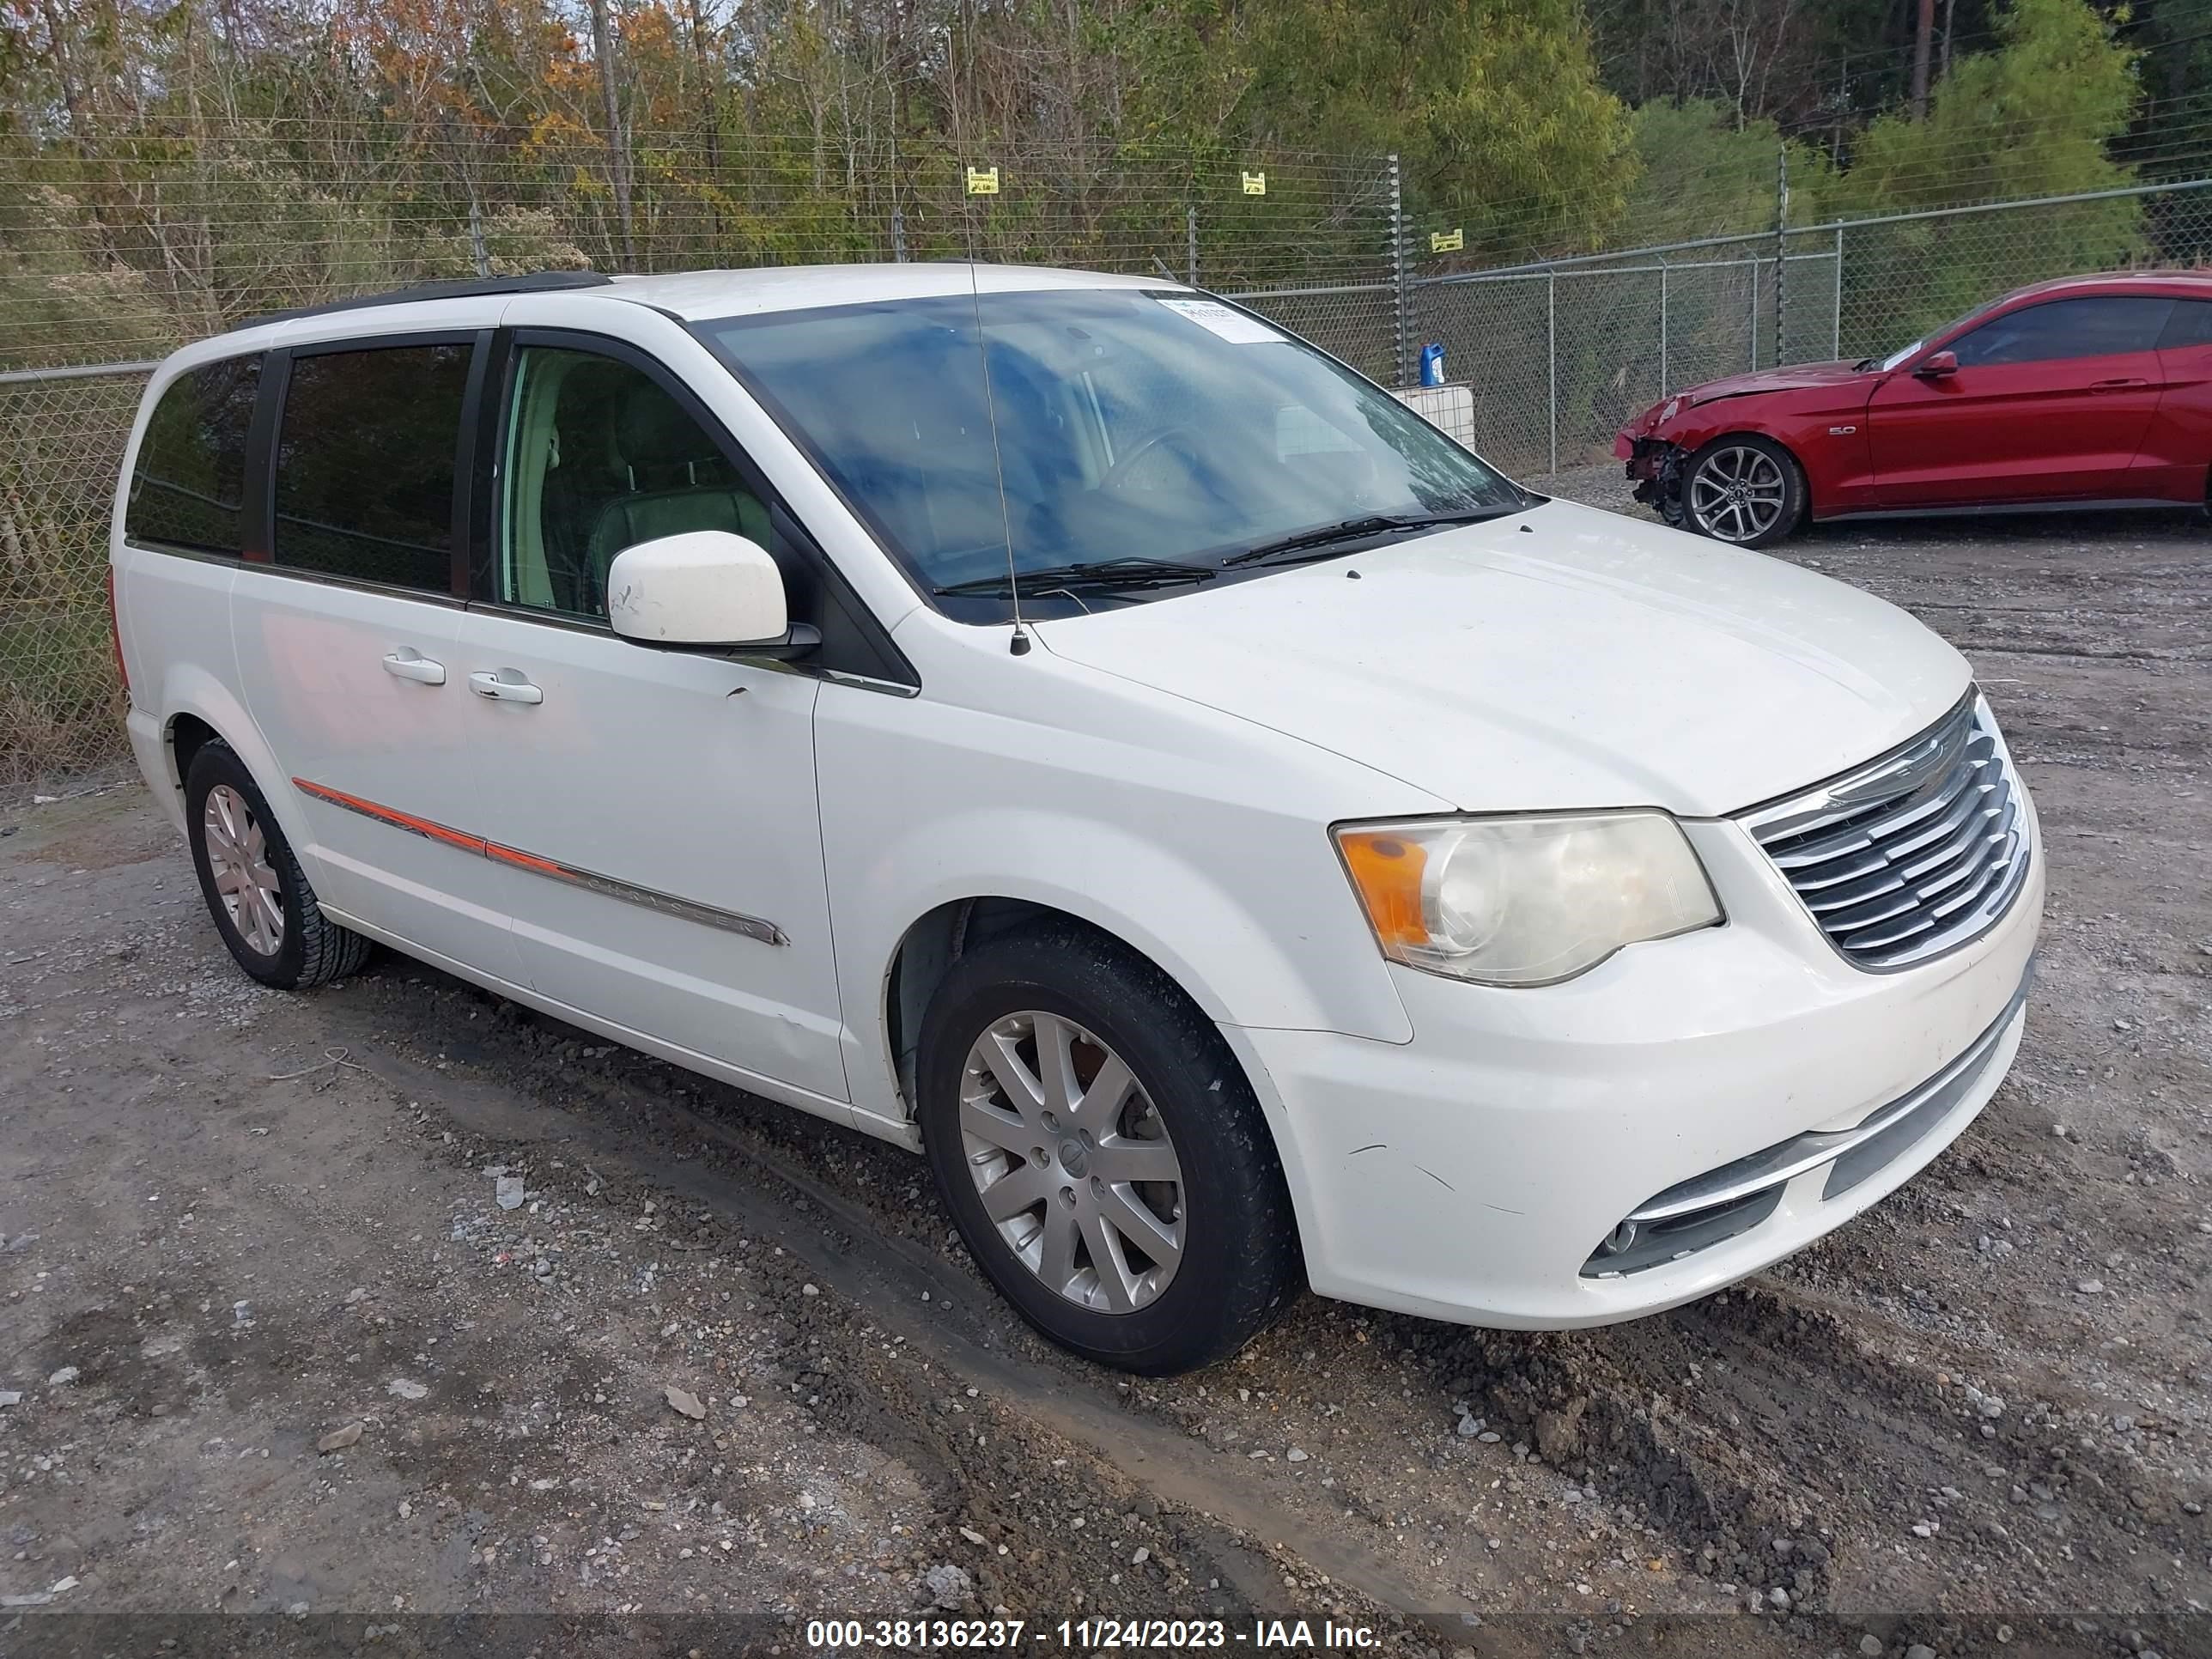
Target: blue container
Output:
[{"x": 1432, "y": 364}]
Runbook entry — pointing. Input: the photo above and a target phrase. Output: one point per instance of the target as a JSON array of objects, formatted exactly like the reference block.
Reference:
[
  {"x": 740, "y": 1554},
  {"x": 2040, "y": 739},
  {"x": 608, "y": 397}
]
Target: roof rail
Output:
[{"x": 459, "y": 288}]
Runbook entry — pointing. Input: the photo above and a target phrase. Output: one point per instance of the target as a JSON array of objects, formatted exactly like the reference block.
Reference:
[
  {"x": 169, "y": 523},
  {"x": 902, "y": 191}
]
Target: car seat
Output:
[{"x": 674, "y": 479}]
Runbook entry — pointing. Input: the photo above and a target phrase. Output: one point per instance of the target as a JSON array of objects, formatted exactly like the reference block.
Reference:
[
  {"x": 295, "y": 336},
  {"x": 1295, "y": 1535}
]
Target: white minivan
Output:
[{"x": 1067, "y": 726}]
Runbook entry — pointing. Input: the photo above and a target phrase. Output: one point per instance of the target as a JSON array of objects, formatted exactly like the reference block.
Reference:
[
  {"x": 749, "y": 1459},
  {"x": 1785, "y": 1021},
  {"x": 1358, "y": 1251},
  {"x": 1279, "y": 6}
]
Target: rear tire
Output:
[
  {"x": 260, "y": 898},
  {"x": 1743, "y": 489},
  {"x": 1144, "y": 1224}
]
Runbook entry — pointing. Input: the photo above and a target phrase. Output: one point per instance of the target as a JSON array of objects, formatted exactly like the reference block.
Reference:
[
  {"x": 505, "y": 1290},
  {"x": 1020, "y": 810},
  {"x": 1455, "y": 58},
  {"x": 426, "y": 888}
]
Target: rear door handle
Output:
[
  {"x": 505, "y": 685},
  {"x": 2120, "y": 384},
  {"x": 409, "y": 664}
]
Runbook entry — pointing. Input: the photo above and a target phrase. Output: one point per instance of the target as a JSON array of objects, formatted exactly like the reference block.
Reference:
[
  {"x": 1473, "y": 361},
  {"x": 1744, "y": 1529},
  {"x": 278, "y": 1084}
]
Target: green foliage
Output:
[
  {"x": 1704, "y": 175},
  {"x": 2030, "y": 119},
  {"x": 1494, "y": 106}
]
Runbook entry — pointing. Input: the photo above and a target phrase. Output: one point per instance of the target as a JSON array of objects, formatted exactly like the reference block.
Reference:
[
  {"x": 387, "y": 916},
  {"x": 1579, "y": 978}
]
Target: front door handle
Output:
[
  {"x": 409, "y": 664},
  {"x": 507, "y": 686},
  {"x": 2120, "y": 384}
]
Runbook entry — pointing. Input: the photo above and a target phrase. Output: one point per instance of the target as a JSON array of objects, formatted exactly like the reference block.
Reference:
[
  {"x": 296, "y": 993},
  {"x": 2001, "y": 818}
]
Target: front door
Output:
[
  {"x": 652, "y": 812},
  {"x": 2049, "y": 402},
  {"x": 346, "y": 638}
]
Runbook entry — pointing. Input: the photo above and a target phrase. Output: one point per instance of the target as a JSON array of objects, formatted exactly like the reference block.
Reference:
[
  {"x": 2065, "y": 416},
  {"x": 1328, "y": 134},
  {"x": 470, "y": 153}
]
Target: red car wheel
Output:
[{"x": 1743, "y": 489}]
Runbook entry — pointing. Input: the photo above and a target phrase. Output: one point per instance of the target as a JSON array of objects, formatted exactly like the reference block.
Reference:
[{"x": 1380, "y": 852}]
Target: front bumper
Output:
[
  {"x": 1654, "y": 466},
  {"x": 1473, "y": 1173}
]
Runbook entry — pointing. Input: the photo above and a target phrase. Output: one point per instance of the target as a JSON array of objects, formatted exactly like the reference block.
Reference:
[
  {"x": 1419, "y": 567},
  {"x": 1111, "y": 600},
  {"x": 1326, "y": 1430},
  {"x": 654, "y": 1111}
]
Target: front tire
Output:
[
  {"x": 256, "y": 891},
  {"x": 1743, "y": 489},
  {"x": 1102, "y": 1153}
]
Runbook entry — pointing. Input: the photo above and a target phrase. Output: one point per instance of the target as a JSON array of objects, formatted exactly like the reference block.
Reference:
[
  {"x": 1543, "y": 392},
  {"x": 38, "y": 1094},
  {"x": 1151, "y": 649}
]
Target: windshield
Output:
[
  {"x": 1904, "y": 354},
  {"x": 1149, "y": 430}
]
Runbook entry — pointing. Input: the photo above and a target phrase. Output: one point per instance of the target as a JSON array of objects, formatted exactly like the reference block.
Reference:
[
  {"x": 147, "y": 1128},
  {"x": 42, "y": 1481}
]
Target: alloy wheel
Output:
[
  {"x": 237, "y": 858},
  {"x": 1737, "y": 493},
  {"x": 1072, "y": 1162}
]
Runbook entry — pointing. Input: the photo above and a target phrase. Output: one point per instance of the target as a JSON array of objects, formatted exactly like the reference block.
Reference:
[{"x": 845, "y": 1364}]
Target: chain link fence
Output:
[
  {"x": 61, "y": 433},
  {"x": 1559, "y": 354},
  {"x": 159, "y": 239},
  {"x": 1553, "y": 357},
  {"x": 162, "y": 239},
  {"x": 1356, "y": 322}
]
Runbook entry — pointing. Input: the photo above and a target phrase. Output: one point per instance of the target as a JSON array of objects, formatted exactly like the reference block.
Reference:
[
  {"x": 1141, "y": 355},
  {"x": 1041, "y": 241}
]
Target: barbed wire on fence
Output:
[{"x": 165, "y": 239}]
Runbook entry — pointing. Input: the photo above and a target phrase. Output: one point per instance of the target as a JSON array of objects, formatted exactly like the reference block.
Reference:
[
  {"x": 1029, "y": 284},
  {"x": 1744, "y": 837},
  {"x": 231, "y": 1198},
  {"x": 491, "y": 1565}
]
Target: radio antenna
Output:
[{"x": 1019, "y": 645}]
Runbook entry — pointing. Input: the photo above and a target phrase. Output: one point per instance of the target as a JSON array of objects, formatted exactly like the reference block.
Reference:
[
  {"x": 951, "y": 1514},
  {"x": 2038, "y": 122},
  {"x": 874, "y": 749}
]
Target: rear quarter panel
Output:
[
  {"x": 174, "y": 627},
  {"x": 2177, "y": 453}
]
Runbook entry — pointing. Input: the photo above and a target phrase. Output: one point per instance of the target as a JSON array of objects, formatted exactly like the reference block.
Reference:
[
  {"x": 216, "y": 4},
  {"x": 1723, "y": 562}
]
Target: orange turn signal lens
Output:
[{"x": 1387, "y": 870}]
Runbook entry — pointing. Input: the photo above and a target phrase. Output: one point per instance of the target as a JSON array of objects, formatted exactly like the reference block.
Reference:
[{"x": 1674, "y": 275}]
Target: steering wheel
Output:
[{"x": 1116, "y": 474}]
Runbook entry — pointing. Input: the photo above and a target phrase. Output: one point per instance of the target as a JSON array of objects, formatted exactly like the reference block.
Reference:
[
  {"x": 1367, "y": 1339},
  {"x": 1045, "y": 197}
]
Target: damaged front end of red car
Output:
[{"x": 1654, "y": 463}]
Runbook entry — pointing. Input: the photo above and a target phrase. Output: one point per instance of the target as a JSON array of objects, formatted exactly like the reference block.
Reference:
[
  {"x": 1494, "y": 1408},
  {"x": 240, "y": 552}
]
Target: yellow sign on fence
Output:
[
  {"x": 1447, "y": 241},
  {"x": 982, "y": 181},
  {"x": 1255, "y": 183}
]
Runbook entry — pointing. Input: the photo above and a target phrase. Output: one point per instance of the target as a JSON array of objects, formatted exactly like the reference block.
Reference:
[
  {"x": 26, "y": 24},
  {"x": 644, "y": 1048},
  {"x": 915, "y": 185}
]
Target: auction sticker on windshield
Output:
[{"x": 1230, "y": 325}]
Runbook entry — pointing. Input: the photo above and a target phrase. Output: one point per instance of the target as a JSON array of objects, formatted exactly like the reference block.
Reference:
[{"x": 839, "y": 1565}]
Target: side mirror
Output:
[
  {"x": 702, "y": 589},
  {"x": 1936, "y": 364}
]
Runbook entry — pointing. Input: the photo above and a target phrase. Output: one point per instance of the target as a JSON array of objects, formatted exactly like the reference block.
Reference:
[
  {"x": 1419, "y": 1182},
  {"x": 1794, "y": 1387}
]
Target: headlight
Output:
[{"x": 1525, "y": 900}]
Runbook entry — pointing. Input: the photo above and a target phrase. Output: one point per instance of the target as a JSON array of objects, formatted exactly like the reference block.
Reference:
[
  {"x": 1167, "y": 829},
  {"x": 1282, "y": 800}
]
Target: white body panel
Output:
[
  {"x": 684, "y": 775},
  {"x": 311, "y": 669},
  {"x": 1473, "y": 1168},
  {"x": 1168, "y": 772},
  {"x": 1584, "y": 659},
  {"x": 705, "y": 588}
]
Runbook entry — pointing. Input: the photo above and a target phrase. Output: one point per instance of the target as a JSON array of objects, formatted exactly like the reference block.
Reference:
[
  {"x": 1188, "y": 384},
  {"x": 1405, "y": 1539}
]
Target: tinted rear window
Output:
[
  {"x": 2190, "y": 325},
  {"x": 189, "y": 487},
  {"x": 365, "y": 456}
]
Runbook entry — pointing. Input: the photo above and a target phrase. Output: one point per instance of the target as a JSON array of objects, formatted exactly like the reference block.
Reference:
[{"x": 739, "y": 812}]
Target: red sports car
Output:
[{"x": 2087, "y": 391}]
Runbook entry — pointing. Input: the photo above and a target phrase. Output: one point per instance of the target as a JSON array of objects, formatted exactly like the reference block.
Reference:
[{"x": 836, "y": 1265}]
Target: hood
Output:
[
  {"x": 1795, "y": 377},
  {"x": 1586, "y": 660}
]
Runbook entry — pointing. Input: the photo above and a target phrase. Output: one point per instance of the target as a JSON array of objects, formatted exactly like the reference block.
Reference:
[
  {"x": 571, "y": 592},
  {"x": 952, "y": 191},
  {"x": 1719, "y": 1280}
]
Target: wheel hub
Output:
[
  {"x": 1737, "y": 493},
  {"x": 238, "y": 861},
  {"x": 1072, "y": 1162}
]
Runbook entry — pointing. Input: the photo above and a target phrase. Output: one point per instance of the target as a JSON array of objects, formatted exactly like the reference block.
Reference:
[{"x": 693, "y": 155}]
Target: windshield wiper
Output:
[
  {"x": 1373, "y": 523},
  {"x": 1095, "y": 573}
]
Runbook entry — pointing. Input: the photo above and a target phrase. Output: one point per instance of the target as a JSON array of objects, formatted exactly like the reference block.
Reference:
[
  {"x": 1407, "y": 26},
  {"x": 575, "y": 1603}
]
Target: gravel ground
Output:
[{"x": 363, "y": 1309}]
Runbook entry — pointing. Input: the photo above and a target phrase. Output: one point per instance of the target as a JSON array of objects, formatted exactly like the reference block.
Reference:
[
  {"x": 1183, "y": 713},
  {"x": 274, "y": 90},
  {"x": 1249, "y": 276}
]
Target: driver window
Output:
[
  {"x": 2104, "y": 325},
  {"x": 599, "y": 457}
]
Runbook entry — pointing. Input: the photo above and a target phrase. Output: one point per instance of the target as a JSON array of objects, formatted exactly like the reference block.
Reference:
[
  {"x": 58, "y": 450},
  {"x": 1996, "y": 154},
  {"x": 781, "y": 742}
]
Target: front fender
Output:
[
  {"x": 1827, "y": 431},
  {"x": 1235, "y": 892},
  {"x": 1210, "y": 940}
]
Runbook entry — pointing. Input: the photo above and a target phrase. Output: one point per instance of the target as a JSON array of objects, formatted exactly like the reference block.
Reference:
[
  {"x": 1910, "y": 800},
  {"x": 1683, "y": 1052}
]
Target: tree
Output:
[
  {"x": 2032, "y": 118},
  {"x": 1494, "y": 106},
  {"x": 1923, "y": 37},
  {"x": 619, "y": 154},
  {"x": 1706, "y": 174}
]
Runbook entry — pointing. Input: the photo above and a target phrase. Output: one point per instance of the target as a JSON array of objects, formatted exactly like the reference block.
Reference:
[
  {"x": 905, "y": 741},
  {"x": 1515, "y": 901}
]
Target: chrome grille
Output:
[{"x": 1912, "y": 855}]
